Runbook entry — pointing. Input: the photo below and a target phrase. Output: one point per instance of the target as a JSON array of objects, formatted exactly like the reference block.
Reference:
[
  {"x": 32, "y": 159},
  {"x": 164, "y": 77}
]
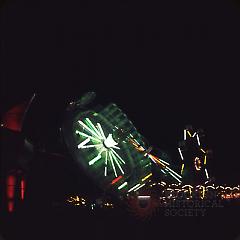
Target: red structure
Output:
[
  {"x": 13, "y": 119},
  {"x": 15, "y": 189}
]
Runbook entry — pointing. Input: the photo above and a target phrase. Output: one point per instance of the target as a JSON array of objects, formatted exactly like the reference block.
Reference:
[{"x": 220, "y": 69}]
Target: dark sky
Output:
[{"x": 165, "y": 65}]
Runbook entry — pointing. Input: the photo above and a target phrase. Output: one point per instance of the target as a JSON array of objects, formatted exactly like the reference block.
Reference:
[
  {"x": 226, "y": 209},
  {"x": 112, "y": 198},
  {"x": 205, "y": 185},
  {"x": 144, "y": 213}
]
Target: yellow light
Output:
[
  {"x": 202, "y": 150},
  {"x": 146, "y": 177},
  {"x": 205, "y": 160},
  {"x": 197, "y": 163},
  {"x": 190, "y": 191},
  {"x": 189, "y": 134},
  {"x": 182, "y": 168},
  {"x": 203, "y": 192}
]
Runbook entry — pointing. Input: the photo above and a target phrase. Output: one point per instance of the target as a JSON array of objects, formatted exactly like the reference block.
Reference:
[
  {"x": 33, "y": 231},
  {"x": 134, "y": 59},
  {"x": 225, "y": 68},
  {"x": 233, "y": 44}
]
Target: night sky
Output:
[{"x": 166, "y": 65}]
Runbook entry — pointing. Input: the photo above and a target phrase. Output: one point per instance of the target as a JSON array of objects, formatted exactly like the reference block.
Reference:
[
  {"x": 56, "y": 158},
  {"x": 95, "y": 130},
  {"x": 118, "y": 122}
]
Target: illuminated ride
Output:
[
  {"x": 107, "y": 146},
  {"x": 92, "y": 137},
  {"x": 193, "y": 157}
]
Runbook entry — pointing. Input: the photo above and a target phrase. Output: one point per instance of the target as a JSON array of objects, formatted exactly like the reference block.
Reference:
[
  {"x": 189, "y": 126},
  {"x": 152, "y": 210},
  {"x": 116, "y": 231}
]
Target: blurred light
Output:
[
  {"x": 22, "y": 188},
  {"x": 10, "y": 206},
  {"x": 144, "y": 197},
  {"x": 11, "y": 181}
]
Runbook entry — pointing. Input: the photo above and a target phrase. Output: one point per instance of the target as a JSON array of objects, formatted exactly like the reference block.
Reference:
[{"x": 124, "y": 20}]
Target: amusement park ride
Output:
[{"x": 106, "y": 146}]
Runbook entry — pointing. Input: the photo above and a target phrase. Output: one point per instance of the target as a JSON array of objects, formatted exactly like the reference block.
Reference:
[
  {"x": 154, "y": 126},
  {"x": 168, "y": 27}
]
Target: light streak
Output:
[
  {"x": 116, "y": 147},
  {"x": 139, "y": 187},
  {"x": 116, "y": 180},
  {"x": 156, "y": 160},
  {"x": 105, "y": 171},
  {"x": 22, "y": 189},
  {"x": 144, "y": 197},
  {"x": 113, "y": 166},
  {"x": 182, "y": 168},
  {"x": 131, "y": 189},
  {"x": 94, "y": 128},
  {"x": 101, "y": 131},
  {"x": 91, "y": 146},
  {"x": 122, "y": 185},
  {"x": 173, "y": 172},
  {"x": 95, "y": 159},
  {"x": 115, "y": 159},
  {"x": 164, "y": 162},
  {"x": 146, "y": 177},
  {"x": 83, "y": 143},
  {"x": 206, "y": 173},
  {"x": 202, "y": 150},
  {"x": 114, "y": 152},
  {"x": 180, "y": 152},
  {"x": 106, "y": 162},
  {"x": 175, "y": 177},
  {"x": 89, "y": 129},
  {"x": 136, "y": 141},
  {"x": 87, "y": 136},
  {"x": 149, "y": 164},
  {"x": 198, "y": 140}
]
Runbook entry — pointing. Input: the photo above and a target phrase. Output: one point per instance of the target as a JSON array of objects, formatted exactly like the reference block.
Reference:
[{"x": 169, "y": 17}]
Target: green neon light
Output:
[
  {"x": 149, "y": 164},
  {"x": 89, "y": 129},
  {"x": 108, "y": 154},
  {"x": 114, "y": 152},
  {"x": 113, "y": 166},
  {"x": 93, "y": 127},
  {"x": 115, "y": 159},
  {"x": 101, "y": 130},
  {"x": 87, "y": 140},
  {"x": 87, "y": 136},
  {"x": 96, "y": 158},
  {"x": 106, "y": 162}
]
